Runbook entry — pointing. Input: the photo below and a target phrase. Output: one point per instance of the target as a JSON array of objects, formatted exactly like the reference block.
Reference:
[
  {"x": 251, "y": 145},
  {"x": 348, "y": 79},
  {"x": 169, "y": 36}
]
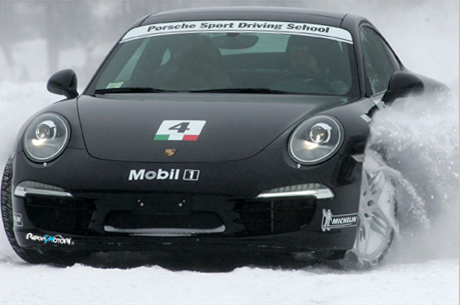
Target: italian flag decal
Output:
[{"x": 179, "y": 130}]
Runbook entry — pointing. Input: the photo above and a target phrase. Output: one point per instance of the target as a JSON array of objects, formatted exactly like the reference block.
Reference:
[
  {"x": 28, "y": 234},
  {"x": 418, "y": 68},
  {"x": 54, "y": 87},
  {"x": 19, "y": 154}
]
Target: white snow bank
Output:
[{"x": 433, "y": 282}]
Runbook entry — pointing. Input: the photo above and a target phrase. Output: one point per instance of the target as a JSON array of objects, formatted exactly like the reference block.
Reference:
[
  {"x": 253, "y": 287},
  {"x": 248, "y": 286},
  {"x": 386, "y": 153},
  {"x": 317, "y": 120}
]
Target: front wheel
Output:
[{"x": 377, "y": 223}]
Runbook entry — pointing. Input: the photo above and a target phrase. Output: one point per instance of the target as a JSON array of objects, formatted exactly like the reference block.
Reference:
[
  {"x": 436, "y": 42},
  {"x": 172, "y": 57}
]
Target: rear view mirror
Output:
[
  {"x": 234, "y": 41},
  {"x": 63, "y": 83},
  {"x": 402, "y": 84}
]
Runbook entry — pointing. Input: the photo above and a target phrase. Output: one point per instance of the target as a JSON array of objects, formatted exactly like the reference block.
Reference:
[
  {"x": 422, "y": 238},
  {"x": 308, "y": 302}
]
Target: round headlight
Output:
[
  {"x": 315, "y": 139},
  {"x": 46, "y": 137}
]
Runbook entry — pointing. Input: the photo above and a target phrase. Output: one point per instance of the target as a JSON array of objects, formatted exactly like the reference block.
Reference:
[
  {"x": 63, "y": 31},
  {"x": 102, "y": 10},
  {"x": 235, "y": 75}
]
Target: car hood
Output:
[{"x": 195, "y": 127}]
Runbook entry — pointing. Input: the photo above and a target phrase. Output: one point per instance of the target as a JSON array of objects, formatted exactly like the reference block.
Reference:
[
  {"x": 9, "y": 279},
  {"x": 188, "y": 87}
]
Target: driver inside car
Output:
[
  {"x": 305, "y": 72},
  {"x": 303, "y": 61}
]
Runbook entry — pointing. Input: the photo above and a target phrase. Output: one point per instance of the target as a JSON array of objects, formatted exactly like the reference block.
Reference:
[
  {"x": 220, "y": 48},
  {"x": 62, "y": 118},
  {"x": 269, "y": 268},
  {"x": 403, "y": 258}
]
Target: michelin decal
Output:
[
  {"x": 331, "y": 221},
  {"x": 240, "y": 27}
]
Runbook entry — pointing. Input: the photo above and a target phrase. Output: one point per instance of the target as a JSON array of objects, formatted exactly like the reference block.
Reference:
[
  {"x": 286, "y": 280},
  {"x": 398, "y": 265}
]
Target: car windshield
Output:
[{"x": 231, "y": 57}]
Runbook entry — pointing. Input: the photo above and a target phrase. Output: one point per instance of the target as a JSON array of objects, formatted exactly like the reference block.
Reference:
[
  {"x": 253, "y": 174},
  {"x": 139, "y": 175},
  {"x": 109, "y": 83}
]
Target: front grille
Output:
[
  {"x": 63, "y": 215},
  {"x": 238, "y": 217},
  {"x": 275, "y": 216},
  {"x": 130, "y": 220}
]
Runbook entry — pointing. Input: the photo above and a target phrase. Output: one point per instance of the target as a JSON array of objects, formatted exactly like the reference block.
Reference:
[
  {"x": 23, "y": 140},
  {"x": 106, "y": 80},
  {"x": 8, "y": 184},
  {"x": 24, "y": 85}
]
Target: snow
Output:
[
  {"x": 434, "y": 282},
  {"x": 422, "y": 268}
]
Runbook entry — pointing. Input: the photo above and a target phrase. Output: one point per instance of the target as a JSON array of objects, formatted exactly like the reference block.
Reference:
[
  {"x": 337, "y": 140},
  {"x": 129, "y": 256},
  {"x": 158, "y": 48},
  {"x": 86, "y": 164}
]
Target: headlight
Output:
[
  {"x": 46, "y": 137},
  {"x": 315, "y": 140}
]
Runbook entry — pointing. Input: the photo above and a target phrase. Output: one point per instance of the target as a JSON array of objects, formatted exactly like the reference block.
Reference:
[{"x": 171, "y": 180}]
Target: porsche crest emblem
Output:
[{"x": 170, "y": 152}]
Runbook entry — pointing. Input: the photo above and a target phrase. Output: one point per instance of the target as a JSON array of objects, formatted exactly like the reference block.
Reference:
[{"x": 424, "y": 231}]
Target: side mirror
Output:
[
  {"x": 63, "y": 83},
  {"x": 403, "y": 84}
]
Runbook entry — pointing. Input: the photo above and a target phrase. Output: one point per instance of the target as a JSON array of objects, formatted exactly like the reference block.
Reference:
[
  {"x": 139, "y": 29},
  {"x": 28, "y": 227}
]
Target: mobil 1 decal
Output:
[{"x": 179, "y": 130}]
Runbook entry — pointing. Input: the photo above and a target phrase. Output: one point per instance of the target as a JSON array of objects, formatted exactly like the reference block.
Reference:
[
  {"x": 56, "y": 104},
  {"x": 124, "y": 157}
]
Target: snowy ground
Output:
[
  {"x": 422, "y": 268},
  {"x": 433, "y": 282}
]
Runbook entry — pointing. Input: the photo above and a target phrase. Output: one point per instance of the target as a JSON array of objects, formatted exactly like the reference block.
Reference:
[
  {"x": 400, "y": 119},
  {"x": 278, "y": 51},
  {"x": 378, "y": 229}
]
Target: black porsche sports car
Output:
[{"x": 220, "y": 129}]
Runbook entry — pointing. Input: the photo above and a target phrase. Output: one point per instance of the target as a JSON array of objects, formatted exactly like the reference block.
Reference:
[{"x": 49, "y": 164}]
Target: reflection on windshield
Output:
[{"x": 230, "y": 63}]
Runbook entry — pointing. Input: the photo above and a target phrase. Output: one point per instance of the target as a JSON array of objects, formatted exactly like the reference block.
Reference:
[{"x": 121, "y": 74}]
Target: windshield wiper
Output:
[
  {"x": 243, "y": 90},
  {"x": 130, "y": 90},
  {"x": 222, "y": 90}
]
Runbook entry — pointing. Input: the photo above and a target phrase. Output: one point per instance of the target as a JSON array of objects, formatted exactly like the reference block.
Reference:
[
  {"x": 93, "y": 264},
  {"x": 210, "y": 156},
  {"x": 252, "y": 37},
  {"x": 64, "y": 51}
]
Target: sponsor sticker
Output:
[
  {"x": 331, "y": 221},
  {"x": 228, "y": 26},
  {"x": 177, "y": 130},
  {"x": 191, "y": 175},
  {"x": 160, "y": 174},
  {"x": 57, "y": 239}
]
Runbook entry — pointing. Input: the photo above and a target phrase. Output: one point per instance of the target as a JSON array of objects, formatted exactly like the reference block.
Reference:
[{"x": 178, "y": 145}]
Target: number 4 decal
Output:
[
  {"x": 181, "y": 128},
  {"x": 177, "y": 130}
]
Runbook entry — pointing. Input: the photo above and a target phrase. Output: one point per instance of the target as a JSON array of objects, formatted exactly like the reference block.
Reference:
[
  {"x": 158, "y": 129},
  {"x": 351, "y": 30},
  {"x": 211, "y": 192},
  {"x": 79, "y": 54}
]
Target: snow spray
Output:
[{"x": 421, "y": 138}]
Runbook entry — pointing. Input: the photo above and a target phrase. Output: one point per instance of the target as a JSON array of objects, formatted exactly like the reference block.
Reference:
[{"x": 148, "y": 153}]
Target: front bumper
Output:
[{"x": 101, "y": 206}]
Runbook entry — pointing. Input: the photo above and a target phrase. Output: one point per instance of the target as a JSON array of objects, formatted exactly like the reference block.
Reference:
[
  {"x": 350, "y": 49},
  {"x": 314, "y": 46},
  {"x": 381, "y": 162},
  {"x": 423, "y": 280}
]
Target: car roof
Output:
[{"x": 290, "y": 14}]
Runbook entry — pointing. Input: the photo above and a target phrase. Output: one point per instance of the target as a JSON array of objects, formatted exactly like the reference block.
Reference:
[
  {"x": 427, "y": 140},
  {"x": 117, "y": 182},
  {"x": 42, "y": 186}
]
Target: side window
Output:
[{"x": 380, "y": 62}]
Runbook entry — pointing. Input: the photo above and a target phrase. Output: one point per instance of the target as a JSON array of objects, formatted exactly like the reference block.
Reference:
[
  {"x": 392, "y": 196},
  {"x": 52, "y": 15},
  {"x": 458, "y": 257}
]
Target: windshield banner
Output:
[{"x": 239, "y": 26}]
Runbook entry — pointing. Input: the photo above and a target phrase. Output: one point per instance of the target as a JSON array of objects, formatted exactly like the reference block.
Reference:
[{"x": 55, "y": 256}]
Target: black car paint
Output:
[
  {"x": 115, "y": 130},
  {"x": 233, "y": 179},
  {"x": 88, "y": 176}
]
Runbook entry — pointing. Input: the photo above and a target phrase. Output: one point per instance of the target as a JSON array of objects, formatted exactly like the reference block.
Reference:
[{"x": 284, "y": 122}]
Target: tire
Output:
[
  {"x": 377, "y": 224},
  {"x": 28, "y": 255}
]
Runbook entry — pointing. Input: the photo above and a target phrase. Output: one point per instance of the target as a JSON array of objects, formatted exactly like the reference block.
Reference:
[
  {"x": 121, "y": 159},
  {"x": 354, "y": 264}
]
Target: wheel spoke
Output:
[
  {"x": 376, "y": 185},
  {"x": 379, "y": 224},
  {"x": 364, "y": 234}
]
